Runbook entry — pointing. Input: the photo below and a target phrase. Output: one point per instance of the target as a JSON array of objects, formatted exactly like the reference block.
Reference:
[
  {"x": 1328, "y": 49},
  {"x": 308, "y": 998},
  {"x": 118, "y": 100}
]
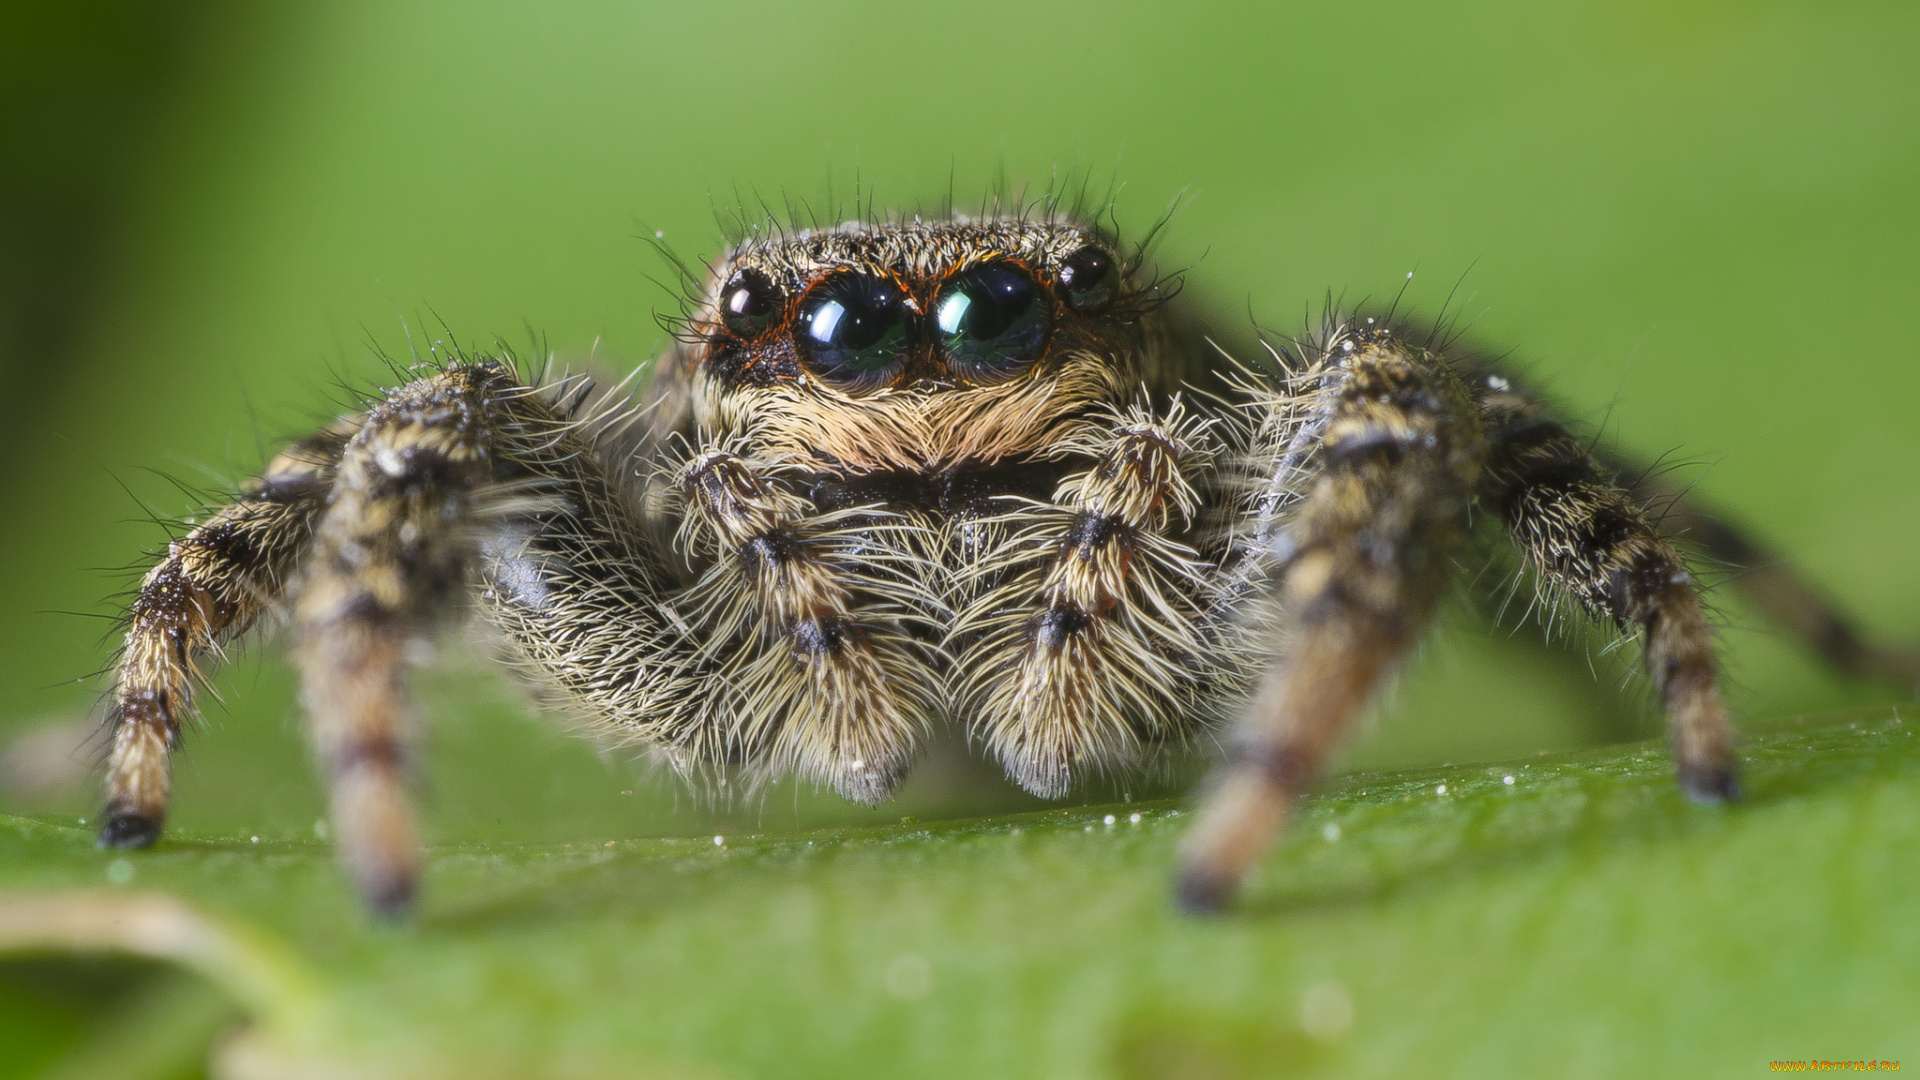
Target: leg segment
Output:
[
  {"x": 389, "y": 558},
  {"x": 1362, "y": 560},
  {"x": 1088, "y": 640},
  {"x": 213, "y": 584},
  {"x": 1586, "y": 537},
  {"x": 819, "y": 689},
  {"x": 1780, "y": 590}
]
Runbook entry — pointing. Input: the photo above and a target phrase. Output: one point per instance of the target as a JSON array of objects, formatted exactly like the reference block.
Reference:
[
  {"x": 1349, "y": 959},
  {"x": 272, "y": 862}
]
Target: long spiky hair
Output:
[{"x": 1069, "y": 196}]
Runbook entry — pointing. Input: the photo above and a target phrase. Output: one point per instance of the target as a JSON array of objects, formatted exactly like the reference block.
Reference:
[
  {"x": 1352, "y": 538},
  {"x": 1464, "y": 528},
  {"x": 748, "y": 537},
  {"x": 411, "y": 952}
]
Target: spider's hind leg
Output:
[
  {"x": 1781, "y": 591},
  {"x": 213, "y": 584},
  {"x": 1589, "y": 539}
]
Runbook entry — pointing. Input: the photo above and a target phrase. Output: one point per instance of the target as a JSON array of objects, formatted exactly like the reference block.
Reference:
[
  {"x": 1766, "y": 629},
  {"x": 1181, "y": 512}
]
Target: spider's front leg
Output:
[
  {"x": 1362, "y": 559},
  {"x": 213, "y": 584},
  {"x": 1087, "y": 638},
  {"x": 389, "y": 560},
  {"x": 1586, "y": 537}
]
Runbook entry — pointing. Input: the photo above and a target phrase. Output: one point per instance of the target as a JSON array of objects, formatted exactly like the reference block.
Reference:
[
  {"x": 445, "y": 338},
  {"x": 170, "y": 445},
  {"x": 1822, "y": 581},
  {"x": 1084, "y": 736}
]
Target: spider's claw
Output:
[
  {"x": 127, "y": 829},
  {"x": 1710, "y": 785}
]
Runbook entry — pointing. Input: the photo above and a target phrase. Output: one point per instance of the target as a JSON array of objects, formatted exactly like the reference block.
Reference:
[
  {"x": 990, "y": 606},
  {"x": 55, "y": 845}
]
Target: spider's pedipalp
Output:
[
  {"x": 830, "y": 695},
  {"x": 1088, "y": 641},
  {"x": 1362, "y": 559}
]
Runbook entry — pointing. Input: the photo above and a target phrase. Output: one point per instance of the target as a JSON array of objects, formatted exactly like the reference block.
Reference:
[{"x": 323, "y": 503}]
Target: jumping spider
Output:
[{"x": 977, "y": 470}]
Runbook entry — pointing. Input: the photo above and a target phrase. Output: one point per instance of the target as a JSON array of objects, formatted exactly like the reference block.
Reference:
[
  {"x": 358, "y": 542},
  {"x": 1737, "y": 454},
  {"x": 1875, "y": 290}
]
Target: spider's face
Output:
[
  {"x": 910, "y": 345},
  {"x": 926, "y": 308}
]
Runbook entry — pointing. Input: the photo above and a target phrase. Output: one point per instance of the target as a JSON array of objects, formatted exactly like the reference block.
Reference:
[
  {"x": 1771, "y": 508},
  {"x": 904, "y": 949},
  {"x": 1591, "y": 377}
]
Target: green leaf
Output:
[{"x": 1580, "y": 920}]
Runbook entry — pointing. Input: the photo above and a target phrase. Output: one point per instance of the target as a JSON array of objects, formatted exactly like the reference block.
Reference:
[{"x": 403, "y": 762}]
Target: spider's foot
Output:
[
  {"x": 1710, "y": 785},
  {"x": 128, "y": 829},
  {"x": 1201, "y": 890},
  {"x": 389, "y": 898}
]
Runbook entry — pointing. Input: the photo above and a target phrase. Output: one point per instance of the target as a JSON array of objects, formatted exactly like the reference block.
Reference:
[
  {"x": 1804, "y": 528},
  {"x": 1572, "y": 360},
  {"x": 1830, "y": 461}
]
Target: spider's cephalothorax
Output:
[{"x": 898, "y": 475}]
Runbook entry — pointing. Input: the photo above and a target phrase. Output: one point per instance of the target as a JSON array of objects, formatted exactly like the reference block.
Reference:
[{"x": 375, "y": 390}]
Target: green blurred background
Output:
[{"x": 1696, "y": 221}]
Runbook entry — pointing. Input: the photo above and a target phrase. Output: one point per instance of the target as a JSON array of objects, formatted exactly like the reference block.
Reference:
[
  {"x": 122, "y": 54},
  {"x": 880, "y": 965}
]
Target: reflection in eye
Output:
[
  {"x": 991, "y": 321},
  {"x": 1089, "y": 278},
  {"x": 953, "y": 312},
  {"x": 750, "y": 304},
  {"x": 854, "y": 334},
  {"x": 824, "y": 320}
]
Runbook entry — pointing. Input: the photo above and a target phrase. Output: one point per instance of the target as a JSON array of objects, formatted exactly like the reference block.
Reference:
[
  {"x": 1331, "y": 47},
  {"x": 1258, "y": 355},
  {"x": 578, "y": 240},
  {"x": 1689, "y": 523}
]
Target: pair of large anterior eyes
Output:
[{"x": 990, "y": 321}]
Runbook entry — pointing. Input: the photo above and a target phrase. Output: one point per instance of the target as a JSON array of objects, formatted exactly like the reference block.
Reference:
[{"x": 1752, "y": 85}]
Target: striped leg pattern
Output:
[
  {"x": 1587, "y": 539},
  {"x": 1088, "y": 639},
  {"x": 1361, "y": 561},
  {"x": 213, "y": 584}
]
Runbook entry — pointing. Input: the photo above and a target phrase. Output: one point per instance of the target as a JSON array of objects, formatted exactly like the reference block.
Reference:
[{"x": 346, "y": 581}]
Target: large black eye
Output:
[
  {"x": 991, "y": 321},
  {"x": 1089, "y": 279},
  {"x": 749, "y": 304},
  {"x": 850, "y": 330}
]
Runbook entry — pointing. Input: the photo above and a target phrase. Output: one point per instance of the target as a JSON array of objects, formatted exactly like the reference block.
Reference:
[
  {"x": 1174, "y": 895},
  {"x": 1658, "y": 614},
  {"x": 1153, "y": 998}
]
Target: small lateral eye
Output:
[
  {"x": 991, "y": 321},
  {"x": 749, "y": 304},
  {"x": 1089, "y": 279},
  {"x": 851, "y": 330}
]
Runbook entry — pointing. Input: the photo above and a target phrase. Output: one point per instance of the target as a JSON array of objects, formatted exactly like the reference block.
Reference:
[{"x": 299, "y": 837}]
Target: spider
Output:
[{"x": 979, "y": 470}]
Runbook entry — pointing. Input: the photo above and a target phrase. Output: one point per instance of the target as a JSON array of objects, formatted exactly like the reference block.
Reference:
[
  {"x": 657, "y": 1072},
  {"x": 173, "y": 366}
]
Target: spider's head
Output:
[{"x": 913, "y": 344}]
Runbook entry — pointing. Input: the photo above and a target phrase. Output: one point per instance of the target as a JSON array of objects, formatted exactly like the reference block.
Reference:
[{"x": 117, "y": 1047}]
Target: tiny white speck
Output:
[
  {"x": 1133, "y": 819},
  {"x": 1495, "y": 382},
  {"x": 1441, "y": 790},
  {"x": 1409, "y": 275},
  {"x": 1326, "y": 1011},
  {"x": 83, "y": 821},
  {"x": 320, "y": 828},
  {"x": 627, "y": 792},
  {"x": 1087, "y": 829},
  {"x": 119, "y": 871},
  {"x": 1109, "y": 819},
  {"x": 659, "y": 234},
  {"x": 859, "y": 764},
  {"x": 1330, "y": 832},
  {"x": 1507, "y": 779},
  {"x": 719, "y": 841},
  {"x": 254, "y": 839}
]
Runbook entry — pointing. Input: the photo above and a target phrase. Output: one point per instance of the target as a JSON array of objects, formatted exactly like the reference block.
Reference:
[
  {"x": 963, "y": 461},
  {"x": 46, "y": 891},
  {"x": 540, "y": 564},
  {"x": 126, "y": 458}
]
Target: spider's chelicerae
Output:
[{"x": 902, "y": 474}]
